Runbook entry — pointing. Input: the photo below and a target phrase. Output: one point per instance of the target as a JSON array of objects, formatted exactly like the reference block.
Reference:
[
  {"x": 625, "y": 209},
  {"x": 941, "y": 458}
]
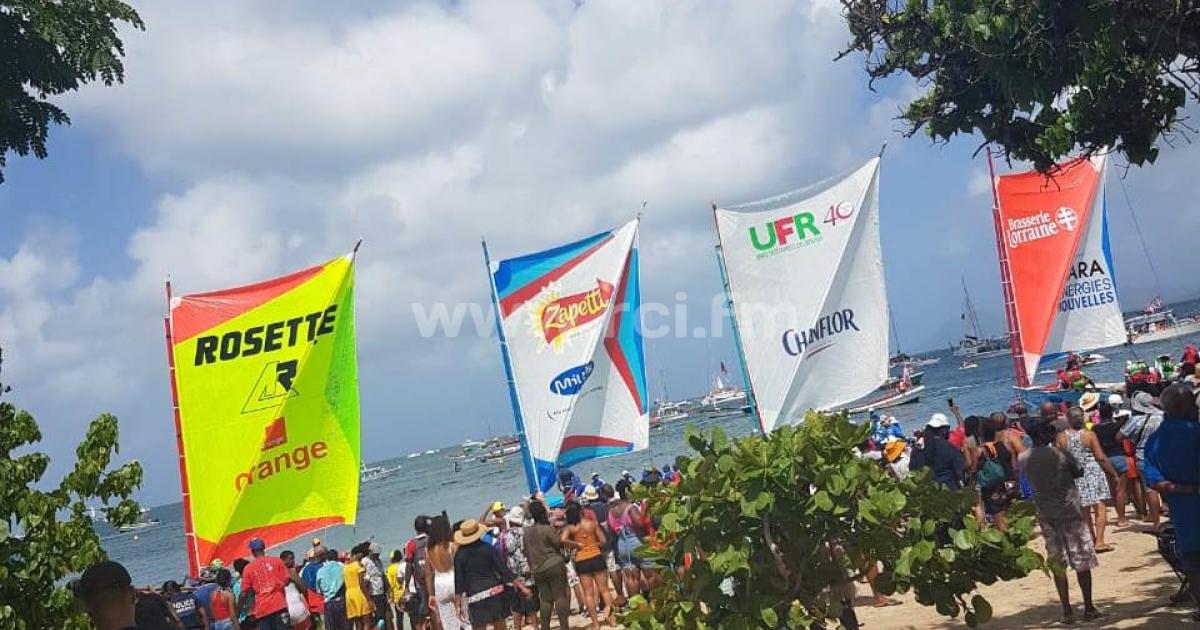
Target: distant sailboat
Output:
[
  {"x": 722, "y": 396},
  {"x": 973, "y": 345}
]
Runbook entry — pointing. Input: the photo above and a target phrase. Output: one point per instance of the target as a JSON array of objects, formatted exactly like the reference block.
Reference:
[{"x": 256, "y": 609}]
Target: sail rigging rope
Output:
[{"x": 1142, "y": 239}]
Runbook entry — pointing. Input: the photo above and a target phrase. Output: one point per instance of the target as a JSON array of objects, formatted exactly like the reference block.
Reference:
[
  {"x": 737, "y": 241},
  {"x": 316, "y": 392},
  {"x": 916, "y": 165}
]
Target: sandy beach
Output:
[{"x": 1132, "y": 585}]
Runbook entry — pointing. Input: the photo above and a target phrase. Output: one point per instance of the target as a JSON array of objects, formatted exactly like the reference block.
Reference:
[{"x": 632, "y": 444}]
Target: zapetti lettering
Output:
[
  {"x": 795, "y": 341},
  {"x": 299, "y": 458},
  {"x": 268, "y": 338}
]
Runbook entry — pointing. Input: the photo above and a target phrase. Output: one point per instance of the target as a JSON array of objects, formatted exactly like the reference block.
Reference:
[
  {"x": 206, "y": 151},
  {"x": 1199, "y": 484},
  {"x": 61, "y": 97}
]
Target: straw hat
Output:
[
  {"x": 516, "y": 516},
  {"x": 590, "y": 494},
  {"x": 469, "y": 532},
  {"x": 1088, "y": 401},
  {"x": 893, "y": 450}
]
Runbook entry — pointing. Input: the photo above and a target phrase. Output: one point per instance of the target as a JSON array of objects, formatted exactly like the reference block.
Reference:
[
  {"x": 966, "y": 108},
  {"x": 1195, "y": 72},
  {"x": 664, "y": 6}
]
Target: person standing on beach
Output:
[
  {"x": 395, "y": 582},
  {"x": 587, "y": 539},
  {"x": 1138, "y": 430},
  {"x": 106, "y": 592},
  {"x": 331, "y": 581},
  {"x": 1172, "y": 457},
  {"x": 512, "y": 546},
  {"x": 358, "y": 604},
  {"x": 543, "y": 548},
  {"x": 377, "y": 586},
  {"x": 189, "y": 611},
  {"x": 446, "y": 608},
  {"x": 945, "y": 462},
  {"x": 1084, "y": 446},
  {"x": 1052, "y": 472},
  {"x": 416, "y": 556},
  {"x": 266, "y": 578},
  {"x": 224, "y": 612},
  {"x": 482, "y": 579}
]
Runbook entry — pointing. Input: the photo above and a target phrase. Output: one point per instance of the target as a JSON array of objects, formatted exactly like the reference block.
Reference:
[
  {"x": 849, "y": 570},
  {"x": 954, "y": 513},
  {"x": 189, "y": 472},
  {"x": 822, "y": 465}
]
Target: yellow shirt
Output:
[{"x": 395, "y": 582}]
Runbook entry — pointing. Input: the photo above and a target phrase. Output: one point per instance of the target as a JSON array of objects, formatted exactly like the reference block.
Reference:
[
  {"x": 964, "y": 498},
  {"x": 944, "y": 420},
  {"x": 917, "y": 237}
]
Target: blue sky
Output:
[{"x": 254, "y": 139}]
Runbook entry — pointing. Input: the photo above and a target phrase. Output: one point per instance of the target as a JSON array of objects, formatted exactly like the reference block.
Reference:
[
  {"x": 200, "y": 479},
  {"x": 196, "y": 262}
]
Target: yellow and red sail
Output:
[{"x": 265, "y": 380}]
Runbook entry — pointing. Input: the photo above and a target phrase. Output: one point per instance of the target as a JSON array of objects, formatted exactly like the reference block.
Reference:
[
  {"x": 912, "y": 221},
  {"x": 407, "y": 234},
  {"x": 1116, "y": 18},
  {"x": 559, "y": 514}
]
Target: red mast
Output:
[{"x": 1010, "y": 302}]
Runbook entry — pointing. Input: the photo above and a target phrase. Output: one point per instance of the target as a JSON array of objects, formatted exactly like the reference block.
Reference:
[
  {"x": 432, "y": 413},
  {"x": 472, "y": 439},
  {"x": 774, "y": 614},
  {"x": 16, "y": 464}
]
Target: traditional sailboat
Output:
[
  {"x": 570, "y": 339},
  {"x": 1056, "y": 268},
  {"x": 973, "y": 345},
  {"x": 803, "y": 275}
]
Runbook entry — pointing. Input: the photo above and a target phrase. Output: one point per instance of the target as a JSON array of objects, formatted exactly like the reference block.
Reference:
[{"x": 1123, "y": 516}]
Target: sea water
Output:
[{"x": 428, "y": 484}]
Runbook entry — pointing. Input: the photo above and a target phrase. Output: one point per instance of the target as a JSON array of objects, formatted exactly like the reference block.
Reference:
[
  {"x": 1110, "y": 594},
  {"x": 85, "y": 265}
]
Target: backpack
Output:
[{"x": 991, "y": 471}]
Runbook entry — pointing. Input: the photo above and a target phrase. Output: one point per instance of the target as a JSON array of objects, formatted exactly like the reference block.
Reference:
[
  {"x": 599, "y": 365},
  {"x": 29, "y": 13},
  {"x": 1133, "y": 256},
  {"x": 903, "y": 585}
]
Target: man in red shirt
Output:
[{"x": 267, "y": 577}]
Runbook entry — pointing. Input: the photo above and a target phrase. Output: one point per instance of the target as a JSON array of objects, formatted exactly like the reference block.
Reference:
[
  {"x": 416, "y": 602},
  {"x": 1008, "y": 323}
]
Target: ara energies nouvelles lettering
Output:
[
  {"x": 1088, "y": 285},
  {"x": 267, "y": 338},
  {"x": 795, "y": 342}
]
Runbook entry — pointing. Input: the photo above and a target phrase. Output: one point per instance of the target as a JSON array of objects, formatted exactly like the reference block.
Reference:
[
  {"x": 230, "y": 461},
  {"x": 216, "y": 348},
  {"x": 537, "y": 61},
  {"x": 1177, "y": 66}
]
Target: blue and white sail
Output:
[
  {"x": 570, "y": 319},
  {"x": 1089, "y": 315}
]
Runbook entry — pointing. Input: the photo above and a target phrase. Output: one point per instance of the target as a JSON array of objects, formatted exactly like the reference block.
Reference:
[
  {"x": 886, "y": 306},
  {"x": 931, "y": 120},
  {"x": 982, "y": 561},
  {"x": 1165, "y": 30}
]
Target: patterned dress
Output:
[{"x": 1093, "y": 487}]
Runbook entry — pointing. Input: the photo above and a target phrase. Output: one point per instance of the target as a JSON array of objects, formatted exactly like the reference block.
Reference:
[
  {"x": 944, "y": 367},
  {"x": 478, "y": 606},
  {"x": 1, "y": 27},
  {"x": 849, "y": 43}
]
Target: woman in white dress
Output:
[{"x": 445, "y": 607}]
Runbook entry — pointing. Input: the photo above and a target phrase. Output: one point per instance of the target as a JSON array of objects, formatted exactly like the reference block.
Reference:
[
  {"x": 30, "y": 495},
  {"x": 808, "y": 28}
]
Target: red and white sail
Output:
[{"x": 1055, "y": 233}]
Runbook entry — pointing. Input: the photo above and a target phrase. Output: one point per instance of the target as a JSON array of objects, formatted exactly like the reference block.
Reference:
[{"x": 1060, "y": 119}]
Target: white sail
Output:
[
  {"x": 1088, "y": 314},
  {"x": 805, "y": 275},
  {"x": 570, "y": 321}
]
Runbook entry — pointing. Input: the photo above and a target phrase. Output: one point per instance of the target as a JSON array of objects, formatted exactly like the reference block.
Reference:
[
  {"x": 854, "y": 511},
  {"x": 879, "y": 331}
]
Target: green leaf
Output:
[
  {"x": 670, "y": 522},
  {"x": 983, "y": 609},
  {"x": 822, "y": 500},
  {"x": 770, "y": 617}
]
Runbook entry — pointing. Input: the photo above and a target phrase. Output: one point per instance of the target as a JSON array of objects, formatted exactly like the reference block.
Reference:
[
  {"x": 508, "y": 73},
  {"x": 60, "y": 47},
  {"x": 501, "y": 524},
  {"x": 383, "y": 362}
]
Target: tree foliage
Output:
[
  {"x": 47, "y": 48},
  {"x": 1039, "y": 77},
  {"x": 779, "y": 527},
  {"x": 46, "y": 534}
]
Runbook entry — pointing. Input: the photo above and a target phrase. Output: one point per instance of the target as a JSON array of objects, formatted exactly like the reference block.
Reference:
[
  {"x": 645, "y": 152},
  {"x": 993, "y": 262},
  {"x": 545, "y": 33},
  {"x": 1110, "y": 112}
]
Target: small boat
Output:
[
  {"x": 1159, "y": 323},
  {"x": 412, "y": 455},
  {"x": 142, "y": 523},
  {"x": 973, "y": 344},
  {"x": 722, "y": 397},
  {"x": 1091, "y": 359},
  {"x": 914, "y": 379},
  {"x": 374, "y": 473},
  {"x": 498, "y": 454},
  {"x": 892, "y": 398},
  {"x": 667, "y": 412},
  {"x": 926, "y": 361},
  {"x": 1036, "y": 395},
  {"x": 431, "y": 451},
  {"x": 968, "y": 365}
]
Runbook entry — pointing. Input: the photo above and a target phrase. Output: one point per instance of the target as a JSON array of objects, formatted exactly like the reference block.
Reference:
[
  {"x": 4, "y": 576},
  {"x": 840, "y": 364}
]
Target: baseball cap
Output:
[
  {"x": 937, "y": 421},
  {"x": 101, "y": 576},
  {"x": 497, "y": 507},
  {"x": 1115, "y": 400},
  {"x": 257, "y": 544}
]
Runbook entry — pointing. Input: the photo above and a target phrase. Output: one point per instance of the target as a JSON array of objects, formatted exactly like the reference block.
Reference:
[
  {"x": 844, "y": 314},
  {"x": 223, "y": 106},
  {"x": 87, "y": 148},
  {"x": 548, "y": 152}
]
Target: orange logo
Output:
[{"x": 557, "y": 316}]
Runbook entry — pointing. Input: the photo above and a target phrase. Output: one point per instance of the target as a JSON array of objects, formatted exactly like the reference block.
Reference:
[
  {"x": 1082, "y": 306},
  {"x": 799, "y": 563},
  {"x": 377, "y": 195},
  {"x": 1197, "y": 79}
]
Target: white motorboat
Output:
[
  {"x": 722, "y": 397},
  {"x": 968, "y": 365},
  {"x": 1159, "y": 324},
  {"x": 374, "y": 473}
]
